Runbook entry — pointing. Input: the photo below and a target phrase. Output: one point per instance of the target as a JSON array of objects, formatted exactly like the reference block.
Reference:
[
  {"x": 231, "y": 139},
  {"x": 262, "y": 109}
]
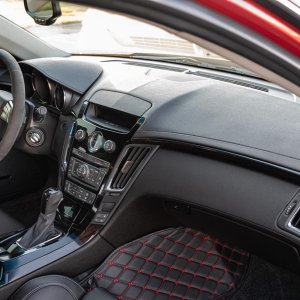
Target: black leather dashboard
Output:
[
  {"x": 197, "y": 110},
  {"x": 191, "y": 115},
  {"x": 76, "y": 75},
  {"x": 183, "y": 112}
]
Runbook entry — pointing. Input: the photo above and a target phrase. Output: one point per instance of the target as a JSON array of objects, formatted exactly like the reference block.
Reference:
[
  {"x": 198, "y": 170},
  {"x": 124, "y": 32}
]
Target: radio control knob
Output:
[
  {"x": 80, "y": 135},
  {"x": 95, "y": 142},
  {"x": 83, "y": 171},
  {"x": 109, "y": 146}
]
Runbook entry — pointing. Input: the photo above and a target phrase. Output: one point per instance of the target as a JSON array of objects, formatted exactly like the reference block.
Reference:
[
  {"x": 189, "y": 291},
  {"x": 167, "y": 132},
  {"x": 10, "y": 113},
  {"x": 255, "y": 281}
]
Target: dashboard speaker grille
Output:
[
  {"x": 230, "y": 80},
  {"x": 134, "y": 156},
  {"x": 156, "y": 66}
]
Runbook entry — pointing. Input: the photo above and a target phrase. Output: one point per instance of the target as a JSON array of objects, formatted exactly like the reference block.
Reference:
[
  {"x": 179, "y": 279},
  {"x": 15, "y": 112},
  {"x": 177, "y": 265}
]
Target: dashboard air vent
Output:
[
  {"x": 156, "y": 66},
  {"x": 130, "y": 163},
  {"x": 231, "y": 80},
  {"x": 296, "y": 220}
]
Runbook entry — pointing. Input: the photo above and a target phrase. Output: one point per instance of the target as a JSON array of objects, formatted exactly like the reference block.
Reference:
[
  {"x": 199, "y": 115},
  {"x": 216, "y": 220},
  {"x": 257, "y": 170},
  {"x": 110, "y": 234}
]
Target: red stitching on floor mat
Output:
[{"x": 179, "y": 263}]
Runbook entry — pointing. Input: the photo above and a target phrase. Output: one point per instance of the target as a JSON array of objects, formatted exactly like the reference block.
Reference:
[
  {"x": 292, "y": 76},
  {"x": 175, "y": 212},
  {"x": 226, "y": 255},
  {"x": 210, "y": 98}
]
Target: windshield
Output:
[{"x": 87, "y": 31}]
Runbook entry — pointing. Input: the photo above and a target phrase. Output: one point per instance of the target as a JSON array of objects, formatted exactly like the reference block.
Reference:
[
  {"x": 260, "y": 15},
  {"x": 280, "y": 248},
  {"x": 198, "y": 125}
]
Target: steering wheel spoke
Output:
[{"x": 6, "y": 105}]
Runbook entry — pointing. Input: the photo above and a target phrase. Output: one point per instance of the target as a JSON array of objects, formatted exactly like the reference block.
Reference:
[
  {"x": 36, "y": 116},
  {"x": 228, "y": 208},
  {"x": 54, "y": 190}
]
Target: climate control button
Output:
[{"x": 87, "y": 174}]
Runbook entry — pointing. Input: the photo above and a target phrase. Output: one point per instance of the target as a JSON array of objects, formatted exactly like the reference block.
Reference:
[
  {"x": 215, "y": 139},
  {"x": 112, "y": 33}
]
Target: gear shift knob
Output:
[{"x": 50, "y": 201}]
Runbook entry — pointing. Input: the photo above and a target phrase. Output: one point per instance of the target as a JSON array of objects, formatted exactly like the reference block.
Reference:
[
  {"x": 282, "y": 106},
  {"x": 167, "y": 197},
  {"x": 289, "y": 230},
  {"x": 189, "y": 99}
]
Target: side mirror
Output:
[{"x": 43, "y": 12}]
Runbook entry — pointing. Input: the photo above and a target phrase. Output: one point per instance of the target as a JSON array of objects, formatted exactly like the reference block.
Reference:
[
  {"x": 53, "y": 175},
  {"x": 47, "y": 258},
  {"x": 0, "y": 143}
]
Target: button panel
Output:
[
  {"x": 104, "y": 212},
  {"x": 100, "y": 217},
  {"x": 79, "y": 193},
  {"x": 92, "y": 159},
  {"x": 290, "y": 208},
  {"x": 86, "y": 173}
]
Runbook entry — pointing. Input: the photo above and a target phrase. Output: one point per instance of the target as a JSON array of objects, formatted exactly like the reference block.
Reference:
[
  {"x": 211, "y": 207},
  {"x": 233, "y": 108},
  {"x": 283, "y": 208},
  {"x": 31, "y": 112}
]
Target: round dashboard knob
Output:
[
  {"x": 95, "y": 142},
  {"x": 83, "y": 171},
  {"x": 109, "y": 146},
  {"x": 80, "y": 135},
  {"x": 35, "y": 137}
]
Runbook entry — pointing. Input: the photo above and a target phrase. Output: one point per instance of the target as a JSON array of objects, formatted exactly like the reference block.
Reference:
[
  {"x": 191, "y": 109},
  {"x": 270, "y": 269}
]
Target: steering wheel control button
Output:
[
  {"x": 109, "y": 146},
  {"x": 35, "y": 137},
  {"x": 79, "y": 193},
  {"x": 80, "y": 135}
]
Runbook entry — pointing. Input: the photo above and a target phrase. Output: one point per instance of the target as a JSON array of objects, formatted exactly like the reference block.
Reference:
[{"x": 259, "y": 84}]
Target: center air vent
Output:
[
  {"x": 134, "y": 158},
  {"x": 295, "y": 222}
]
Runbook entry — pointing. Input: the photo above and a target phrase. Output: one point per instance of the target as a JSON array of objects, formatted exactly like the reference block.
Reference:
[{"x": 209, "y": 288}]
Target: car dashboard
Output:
[{"x": 127, "y": 131}]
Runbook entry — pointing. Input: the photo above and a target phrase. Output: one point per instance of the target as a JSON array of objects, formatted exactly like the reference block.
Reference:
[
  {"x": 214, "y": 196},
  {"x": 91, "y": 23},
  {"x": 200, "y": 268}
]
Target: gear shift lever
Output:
[
  {"x": 43, "y": 230},
  {"x": 50, "y": 201}
]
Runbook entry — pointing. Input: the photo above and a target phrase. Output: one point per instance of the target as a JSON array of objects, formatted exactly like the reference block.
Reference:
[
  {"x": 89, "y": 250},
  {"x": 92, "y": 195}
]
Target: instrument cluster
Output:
[{"x": 48, "y": 92}]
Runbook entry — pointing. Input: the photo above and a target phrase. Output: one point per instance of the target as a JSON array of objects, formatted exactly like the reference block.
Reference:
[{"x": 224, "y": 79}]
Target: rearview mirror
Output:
[{"x": 43, "y": 12}]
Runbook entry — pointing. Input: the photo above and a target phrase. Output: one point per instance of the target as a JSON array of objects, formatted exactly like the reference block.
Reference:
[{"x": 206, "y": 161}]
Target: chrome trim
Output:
[
  {"x": 50, "y": 91},
  {"x": 63, "y": 163},
  {"x": 290, "y": 220},
  {"x": 64, "y": 97},
  {"x": 34, "y": 73},
  {"x": 93, "y": 149},
  {"x": 252, "y": 159},
  {"x": 35, "y": 92},
  {"x": 18, "y": 250},
  {"x": 121, "y": 193},
  {"x": 43, "y": 244},
  {"x": 82, "y": 116},
  {"x": 213, "y": 149},
  {"x": 29, "y": 76},
  {"x": 38, "y": 131},
  {"x": 138, "y": 170}
]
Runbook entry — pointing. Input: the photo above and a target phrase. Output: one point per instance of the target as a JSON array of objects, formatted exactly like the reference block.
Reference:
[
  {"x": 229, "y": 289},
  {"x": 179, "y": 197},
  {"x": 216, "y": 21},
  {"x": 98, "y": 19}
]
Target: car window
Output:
[{"x": 89, "y": 31}]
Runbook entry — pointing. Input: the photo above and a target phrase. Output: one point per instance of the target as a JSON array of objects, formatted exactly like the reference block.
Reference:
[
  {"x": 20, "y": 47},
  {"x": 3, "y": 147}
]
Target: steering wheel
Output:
[{"x": 12, "y": 105}]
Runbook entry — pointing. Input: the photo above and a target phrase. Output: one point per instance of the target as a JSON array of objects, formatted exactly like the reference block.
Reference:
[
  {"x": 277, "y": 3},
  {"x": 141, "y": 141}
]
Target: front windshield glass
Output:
[{"x": 87, "y": 31}]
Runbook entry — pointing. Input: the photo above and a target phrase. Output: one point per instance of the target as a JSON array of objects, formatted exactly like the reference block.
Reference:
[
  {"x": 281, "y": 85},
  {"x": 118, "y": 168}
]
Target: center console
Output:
[
  {"x": 94, "y": 146},
  {"x": 99, "y": 137}
]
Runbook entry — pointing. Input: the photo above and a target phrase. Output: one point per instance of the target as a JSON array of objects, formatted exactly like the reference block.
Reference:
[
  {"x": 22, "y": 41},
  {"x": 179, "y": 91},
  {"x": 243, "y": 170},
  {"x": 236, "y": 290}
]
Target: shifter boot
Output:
[{"x": 43, "y": 230}]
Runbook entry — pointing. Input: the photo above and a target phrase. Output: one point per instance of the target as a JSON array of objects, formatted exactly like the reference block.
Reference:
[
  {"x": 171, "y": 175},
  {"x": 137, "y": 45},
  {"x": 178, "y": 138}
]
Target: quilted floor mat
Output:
[{"x": 178, "y": 263}]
